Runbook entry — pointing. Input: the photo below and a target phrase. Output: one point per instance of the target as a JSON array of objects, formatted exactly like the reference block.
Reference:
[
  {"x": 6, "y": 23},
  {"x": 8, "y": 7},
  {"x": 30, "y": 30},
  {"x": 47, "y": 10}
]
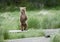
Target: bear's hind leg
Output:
[
  {"x": 22, "y": 27},
  {"x": 25, "y": 26}
]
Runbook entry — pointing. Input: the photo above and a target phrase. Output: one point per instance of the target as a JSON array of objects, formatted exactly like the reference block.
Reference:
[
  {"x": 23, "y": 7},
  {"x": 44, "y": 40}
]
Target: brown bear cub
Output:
[{"x": 23, "y": 18}]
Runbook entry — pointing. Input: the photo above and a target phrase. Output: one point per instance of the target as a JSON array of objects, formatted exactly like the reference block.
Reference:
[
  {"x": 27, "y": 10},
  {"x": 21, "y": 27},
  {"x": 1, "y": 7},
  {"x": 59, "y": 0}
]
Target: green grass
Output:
[
  {"x": 56, "y": 38},
  {"x": 1, "y": 29},
  {"x": 33, "y": 23},
  {"x": 1, "y": 35},
  {"x": 36, "y": 19}
]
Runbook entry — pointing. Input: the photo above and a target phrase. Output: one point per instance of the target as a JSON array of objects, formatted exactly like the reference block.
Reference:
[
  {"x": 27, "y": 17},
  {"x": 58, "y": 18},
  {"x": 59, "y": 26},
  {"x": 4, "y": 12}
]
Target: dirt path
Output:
[{"x": 35, "y": 39}]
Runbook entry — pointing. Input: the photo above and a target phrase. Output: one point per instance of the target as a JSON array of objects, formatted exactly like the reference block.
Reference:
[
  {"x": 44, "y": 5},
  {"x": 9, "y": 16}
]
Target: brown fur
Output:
[{"x": 23, "y": 19}]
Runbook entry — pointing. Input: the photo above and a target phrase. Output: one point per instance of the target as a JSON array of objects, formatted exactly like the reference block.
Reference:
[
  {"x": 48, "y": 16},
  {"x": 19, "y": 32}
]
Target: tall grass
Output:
[
  {"x": 6, "y": 34},
  {"x": 50, "y": 21},
  {"x": 1, "y": 35},
  {"x": 1, "y": 29},
  {"x": 56, "y": 38},
  {"x": 10, "y": 21},
  {"x": 35, "y": 19},
  {"x": 33, "y": 23}
]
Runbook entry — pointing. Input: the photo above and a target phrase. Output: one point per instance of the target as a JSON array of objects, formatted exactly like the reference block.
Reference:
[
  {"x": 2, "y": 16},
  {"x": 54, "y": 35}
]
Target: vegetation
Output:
[
  {"x": 46, "y": 15},
  {"x": 6, "y": 34},
  {"x": 1, "y": 35},
  {"x": 7, "y": 5},
  {"x": 1, "y": 30},
  {"x": 39, "y": 19},
  {"x": 28, "y": 34},
  {"x": 56, "y": 38},
  {"x": 36, "y": 19},
  {"x": 33, "y": 23}
]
